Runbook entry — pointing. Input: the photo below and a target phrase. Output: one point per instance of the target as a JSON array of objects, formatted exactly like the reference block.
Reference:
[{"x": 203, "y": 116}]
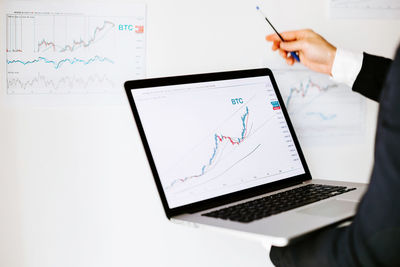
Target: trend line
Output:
[
  {"x": 76, "y": 44},
  {"x": 304, "y": 89},
  {"x": 322, "y": 116},
  {"x": 58, "y": 64},
  {"x": 218, "y": 139},
  {"x": 223, "y": 172}
]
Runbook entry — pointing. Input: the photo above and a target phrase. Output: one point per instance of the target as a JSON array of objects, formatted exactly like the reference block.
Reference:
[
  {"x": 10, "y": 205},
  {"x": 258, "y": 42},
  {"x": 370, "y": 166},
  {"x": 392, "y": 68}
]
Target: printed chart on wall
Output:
[
  {"x": 322, "y": 111},
  {"x": 57, "y": 50},
  {"x": 373, "y": 9}
]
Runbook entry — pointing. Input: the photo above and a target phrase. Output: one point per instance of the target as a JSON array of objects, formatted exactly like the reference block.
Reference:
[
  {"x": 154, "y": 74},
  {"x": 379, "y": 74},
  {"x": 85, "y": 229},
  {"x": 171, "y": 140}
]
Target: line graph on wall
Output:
[
  {"x": 319, "y": 107},
  {"x": 365, "y": 9},
  {"x": 73, "y": 52}
]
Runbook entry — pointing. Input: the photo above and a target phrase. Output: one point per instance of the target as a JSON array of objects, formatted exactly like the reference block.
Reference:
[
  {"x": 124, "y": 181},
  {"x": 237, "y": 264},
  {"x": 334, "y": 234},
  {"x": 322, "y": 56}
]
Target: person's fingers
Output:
[
  {"x": 289, "y": 35},
  {"x": 275, "y": 46},
  {"x": 294, "y": 35},
  {"x": 283, "y": 53},
  {"x": 292, "y": 46},
  {"x": 272, "y": 37},
  {"x": 290, "y": 61}
]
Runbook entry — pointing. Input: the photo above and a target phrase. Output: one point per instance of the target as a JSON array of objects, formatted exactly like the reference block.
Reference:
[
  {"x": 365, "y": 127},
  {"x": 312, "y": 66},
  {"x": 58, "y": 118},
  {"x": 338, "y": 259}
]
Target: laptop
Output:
[{"x": 224, "y": 154}]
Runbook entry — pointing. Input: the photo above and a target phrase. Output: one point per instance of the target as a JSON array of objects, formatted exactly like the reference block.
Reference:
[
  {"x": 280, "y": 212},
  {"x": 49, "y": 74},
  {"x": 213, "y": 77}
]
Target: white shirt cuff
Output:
[{"x": 346, "y": 66}]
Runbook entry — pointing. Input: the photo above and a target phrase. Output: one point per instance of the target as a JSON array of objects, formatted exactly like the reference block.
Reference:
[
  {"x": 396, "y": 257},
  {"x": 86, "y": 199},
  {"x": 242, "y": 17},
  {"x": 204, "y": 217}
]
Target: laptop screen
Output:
[{"x": 213, "y": 138}]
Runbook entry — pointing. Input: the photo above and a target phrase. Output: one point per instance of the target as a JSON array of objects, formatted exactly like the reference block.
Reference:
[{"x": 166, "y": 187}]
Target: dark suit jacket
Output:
[{"x": 373, "y": 239}]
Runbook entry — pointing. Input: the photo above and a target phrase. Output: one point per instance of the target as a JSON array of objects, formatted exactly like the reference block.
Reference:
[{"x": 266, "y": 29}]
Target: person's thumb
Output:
[{"x": 292, "y": 46}]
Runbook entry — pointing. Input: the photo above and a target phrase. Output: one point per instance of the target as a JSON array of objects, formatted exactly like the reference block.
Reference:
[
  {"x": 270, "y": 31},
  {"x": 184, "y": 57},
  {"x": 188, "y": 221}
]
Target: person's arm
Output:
[
  {"x": 314, "y": 51},
  {"x": 372, "y": 76},
  {"x": 373, "y": 238},
  {"x": 346, "y": 66},
  {"x": 364, "y": 73}
]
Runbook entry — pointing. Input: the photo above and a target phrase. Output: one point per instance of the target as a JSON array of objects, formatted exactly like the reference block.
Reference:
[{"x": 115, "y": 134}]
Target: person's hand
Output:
[{"x": 313, "y": 50}]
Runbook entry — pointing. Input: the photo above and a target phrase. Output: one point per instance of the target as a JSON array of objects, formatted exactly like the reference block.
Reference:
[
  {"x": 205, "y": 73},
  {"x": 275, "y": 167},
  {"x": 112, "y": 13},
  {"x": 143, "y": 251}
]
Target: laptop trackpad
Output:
[{"x": 332, "y": 208}]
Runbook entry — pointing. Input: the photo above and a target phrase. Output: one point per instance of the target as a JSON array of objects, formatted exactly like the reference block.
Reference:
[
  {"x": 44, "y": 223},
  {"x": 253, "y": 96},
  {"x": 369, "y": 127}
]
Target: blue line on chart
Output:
[
  {"x": 58, "y": 64},
  {"x": 322, "y": 116},
  {"x": 219, "y": 139}
]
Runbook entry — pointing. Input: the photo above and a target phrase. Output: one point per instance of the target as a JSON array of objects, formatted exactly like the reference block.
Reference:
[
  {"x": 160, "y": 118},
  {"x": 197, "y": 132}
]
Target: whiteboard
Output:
[{"x": 75, "y": 187}]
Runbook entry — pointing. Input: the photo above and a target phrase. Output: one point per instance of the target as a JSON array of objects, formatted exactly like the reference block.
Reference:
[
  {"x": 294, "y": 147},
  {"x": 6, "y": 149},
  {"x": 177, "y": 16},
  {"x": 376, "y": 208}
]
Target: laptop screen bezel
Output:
[{"x": 227, "y": 198}]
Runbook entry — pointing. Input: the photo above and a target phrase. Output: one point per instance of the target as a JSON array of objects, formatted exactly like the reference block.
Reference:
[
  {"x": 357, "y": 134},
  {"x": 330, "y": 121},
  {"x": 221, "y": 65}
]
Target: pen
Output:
[{"x": 294, "y": 55}]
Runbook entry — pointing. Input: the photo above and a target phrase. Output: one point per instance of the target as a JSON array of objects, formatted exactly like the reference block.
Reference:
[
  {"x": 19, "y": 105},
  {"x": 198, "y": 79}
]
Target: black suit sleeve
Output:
[
  {"x": 373, "y": 238},
  {"x": 372, "y": 76}
]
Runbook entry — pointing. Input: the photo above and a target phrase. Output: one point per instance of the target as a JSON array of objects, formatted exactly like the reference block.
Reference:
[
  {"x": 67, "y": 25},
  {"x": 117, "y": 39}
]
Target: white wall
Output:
[{"x": 75, "y": 188}]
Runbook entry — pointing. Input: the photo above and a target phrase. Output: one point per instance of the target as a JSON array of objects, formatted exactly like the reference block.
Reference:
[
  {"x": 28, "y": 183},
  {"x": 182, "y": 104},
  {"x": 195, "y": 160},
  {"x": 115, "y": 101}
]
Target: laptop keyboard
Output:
[{"x": 277, "y": 203}]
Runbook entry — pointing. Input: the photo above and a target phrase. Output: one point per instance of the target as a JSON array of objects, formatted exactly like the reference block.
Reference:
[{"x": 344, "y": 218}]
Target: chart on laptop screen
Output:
[{"x": 214, "y": 138}]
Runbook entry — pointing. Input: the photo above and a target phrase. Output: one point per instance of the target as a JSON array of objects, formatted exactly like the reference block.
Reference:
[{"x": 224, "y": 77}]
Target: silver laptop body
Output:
[{"x": 220, "y": 139}]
